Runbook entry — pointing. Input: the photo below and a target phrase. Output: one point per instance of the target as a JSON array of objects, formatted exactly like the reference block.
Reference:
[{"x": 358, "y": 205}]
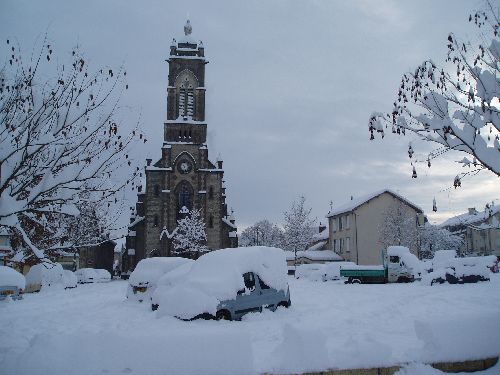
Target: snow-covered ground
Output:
[{"x": 93, "y": 330}]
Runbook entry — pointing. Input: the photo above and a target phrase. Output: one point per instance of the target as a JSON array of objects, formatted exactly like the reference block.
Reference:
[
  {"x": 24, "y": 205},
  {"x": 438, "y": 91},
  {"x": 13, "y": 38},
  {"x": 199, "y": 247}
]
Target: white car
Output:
[
  {"x": 103, "y": 276},
  {"x": 12, "y": 283},
  {"x": 45, "y": 274},
  {"x": 69, "y": 279},
  {"x": 86, "y": 275},
  {"x": 310, "y": 271},
  {"x": 144, "y": 279}
]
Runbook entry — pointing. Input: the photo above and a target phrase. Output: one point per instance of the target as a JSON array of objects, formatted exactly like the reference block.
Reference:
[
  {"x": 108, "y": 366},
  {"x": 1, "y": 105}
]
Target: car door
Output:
[
  {"x": 267, "y": 295},
  {"x": 247, "y": 299}
]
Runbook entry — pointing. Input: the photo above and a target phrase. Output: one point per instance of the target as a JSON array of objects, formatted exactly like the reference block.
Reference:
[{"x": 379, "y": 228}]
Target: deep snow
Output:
[{"x": 93, "y": 330}]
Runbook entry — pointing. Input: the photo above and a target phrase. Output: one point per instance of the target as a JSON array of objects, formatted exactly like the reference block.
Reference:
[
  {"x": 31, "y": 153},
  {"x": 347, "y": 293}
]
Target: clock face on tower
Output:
[{"x": 184, "y": 166}]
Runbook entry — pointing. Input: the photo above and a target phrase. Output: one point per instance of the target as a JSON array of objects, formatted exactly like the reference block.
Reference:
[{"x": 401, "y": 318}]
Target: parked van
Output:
[{"x": 225, "y": 284}]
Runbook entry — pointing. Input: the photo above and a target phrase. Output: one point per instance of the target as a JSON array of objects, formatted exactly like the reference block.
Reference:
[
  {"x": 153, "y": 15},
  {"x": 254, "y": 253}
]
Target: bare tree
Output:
[
  {"x": 398, "y": 227},
  {"x": 298, "y": 227},
  {"x": 455, "y": 106},
  {"x": 262, "y": 233},
  {"x": 434, "y": 238},
  {"x": 59, "y": 138}
]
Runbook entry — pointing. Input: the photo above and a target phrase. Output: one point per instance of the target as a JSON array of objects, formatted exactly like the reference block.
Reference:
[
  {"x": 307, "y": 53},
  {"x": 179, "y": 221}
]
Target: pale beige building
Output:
[
  {"x": 480, "y": 230},
  {"x": 354, "y": 227}
]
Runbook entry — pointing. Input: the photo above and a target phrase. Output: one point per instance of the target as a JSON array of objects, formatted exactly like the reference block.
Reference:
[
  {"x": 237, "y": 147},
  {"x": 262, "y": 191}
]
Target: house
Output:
[
  {"x": 320, "y": 239},
  {"x": 480, "y": 230},
  {"x": 355, "y": 227},
  {"x": 5, "y": 246}
]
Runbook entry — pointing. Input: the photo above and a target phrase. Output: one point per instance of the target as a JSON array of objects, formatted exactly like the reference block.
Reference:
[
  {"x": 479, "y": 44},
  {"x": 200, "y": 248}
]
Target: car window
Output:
[
  {"x": 263, "y": 285},
  {"x": 394, "y": 259},
  {"x": 249, "y": 280}
]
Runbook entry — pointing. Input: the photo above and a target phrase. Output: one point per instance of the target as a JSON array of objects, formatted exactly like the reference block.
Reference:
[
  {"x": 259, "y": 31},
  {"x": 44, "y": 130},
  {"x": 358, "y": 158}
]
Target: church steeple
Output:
[{"x": 186, "y": 89}]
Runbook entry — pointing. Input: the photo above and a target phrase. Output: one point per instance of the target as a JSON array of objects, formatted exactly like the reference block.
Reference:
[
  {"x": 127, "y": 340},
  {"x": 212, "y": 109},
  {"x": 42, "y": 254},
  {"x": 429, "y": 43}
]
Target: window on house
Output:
[
  {"x": 340, "y": 223},
  {"x": 348, "y": 244},
  {"x": 334, "y": 225},
  {"x": 334, "y": 245},
  {"x": 347, "y": 222}
]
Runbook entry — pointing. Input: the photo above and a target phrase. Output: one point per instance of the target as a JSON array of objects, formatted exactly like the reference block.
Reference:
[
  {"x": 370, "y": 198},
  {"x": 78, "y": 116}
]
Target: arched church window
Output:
[
  {"x": 211, "y": 222},
  {"x": 211, "y": 192},
  {"x": 184, "y": 196},
  {"x": 155, "y": 220},
  {"x": 186, "y": 83},
  {"x": 157, "y": 190}
]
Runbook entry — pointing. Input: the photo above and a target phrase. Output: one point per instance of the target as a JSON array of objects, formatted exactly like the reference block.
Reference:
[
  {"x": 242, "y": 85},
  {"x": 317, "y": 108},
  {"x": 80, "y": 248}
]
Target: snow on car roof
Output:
[
  {"x": 149, "y": 270},
  {"x": 10, "y": 277},
  {"x": 217, "y": 276}
]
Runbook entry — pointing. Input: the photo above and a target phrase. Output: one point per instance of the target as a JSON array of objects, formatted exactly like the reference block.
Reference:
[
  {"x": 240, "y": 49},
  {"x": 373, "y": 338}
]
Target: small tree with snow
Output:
[
  {"x": 434, "y": 238},
  {"x": 298, "y": 226},
  {"x": 455, "y": 106},
  {"x": 262, "y": 233},
  {"x": 398, "y": 227},
  {"x": 59, "y": 138},
  {"x": 190, "y": 237}
]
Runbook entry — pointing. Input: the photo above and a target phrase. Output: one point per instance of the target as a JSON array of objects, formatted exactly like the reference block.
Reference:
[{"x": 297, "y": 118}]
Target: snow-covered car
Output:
[
  {"x": 225, "y": 284},
  {"x": 44, "y": 274},
  {"x": 103, "y": 276},
  {"x": 69, "y": 279},
  {"x": 309, "y": 271},
  {"x": 331, "y": 271},
  {"x": 143, "y": 281},
  {"x": 12, "y": 283},
  {"x": 458, "y": 274},
  {"x": 86, "y": 275}
]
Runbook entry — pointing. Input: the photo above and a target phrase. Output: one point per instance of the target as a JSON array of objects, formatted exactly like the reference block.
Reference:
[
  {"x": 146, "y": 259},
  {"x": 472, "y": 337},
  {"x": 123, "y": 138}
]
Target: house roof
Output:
[
  {"x": 467, "y": 218},
  {"x": 355, "y": 203}
]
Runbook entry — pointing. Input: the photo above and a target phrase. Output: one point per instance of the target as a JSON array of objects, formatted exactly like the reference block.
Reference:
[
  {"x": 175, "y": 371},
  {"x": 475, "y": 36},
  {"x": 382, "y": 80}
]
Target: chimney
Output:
[
  {"x": 148, "y": 162},
  {"x": 472, "y": 211}
]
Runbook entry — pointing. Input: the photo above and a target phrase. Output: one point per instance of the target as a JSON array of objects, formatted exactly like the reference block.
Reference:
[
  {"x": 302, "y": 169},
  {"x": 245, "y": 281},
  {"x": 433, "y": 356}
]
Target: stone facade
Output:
[{"x": 184, "y": 177}]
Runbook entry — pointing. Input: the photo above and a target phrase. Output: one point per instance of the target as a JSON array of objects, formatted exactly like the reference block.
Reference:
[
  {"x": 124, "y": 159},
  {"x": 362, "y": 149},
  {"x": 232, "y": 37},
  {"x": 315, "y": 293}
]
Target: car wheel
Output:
[
  {"x": 355, "y": 281},
  {"x": 223, "y": 315},
  {"x": 204, "y": 316},
  {"x": 284, "y": 304}
]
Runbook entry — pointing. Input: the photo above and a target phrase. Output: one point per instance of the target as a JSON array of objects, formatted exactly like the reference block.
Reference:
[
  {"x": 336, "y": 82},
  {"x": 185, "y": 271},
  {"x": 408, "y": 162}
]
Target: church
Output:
[{"x": 184, "y": 177}]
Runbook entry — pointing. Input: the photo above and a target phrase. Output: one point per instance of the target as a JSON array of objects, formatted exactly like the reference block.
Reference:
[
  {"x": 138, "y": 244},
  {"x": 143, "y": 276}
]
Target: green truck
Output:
[{"x": 399, "y": 265}]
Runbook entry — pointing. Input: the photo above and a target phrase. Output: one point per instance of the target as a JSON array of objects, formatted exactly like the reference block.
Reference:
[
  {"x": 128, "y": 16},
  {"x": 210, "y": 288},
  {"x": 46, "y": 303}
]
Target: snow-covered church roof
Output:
[{"x": 356, "y": 202}]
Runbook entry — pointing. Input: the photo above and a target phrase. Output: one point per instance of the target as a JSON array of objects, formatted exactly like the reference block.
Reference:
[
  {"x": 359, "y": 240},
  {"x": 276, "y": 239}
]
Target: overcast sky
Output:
[{"x": 290, "y": 88}]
